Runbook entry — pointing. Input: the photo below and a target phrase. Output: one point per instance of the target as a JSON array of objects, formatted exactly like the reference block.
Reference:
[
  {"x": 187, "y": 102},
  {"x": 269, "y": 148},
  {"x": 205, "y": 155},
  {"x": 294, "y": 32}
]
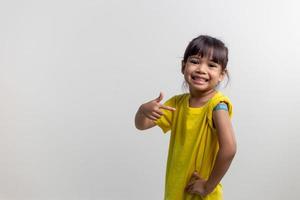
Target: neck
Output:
[
  {"x": 198, "y": 99},
  {"x": 202, "y": 95}
]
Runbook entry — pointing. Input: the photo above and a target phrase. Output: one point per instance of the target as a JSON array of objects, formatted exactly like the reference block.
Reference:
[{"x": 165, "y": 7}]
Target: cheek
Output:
[
  {"x": 217, "y": 76},
  {"x": 221, "y": 75},
  {"x": 185, "y": 76},
  {"x": 188, "y": 69},
  {"x": 218, "y": 72},
  {"x": 185, "y": 71}
]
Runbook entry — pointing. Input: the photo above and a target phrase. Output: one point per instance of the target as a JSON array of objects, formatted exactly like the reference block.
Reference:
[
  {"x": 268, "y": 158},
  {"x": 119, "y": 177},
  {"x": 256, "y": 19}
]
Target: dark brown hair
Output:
[{"x": 207, "y": 46}]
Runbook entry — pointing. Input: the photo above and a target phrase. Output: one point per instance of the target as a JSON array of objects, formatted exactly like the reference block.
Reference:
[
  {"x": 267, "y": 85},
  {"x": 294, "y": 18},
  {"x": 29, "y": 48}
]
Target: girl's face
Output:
[{"x": 202, "y": 74}]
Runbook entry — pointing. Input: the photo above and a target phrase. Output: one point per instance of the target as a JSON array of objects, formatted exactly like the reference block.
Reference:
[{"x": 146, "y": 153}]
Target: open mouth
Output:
[{"x": 199, "y": 78}]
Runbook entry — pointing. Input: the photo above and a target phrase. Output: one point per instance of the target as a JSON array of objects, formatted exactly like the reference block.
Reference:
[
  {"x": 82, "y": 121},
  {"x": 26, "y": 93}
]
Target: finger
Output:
[
  {"x": 195, "y": 174},
  {"x": 157, "y": 115},
  {"x": 190, "y": 184},
  {"x": 196, "y": 192},
  {"x": 190, "y": 189},
  {"x": 187, "y": 188},
  {"x": 152, "y": 117},
  {"x": 159, "y": 112},
  {"x": 167, "y": 108},
  {"x": 160, "y": 97}
]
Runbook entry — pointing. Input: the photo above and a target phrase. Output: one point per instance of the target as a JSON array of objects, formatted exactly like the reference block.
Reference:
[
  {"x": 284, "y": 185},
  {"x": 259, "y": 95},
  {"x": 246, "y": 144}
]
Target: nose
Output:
[{"x": 202, "y": 67}]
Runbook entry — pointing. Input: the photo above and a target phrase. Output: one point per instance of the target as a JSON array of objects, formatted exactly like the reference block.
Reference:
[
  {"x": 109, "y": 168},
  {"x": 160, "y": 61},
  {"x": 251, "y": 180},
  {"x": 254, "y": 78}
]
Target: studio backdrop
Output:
[{"x": 73, "y": 74}]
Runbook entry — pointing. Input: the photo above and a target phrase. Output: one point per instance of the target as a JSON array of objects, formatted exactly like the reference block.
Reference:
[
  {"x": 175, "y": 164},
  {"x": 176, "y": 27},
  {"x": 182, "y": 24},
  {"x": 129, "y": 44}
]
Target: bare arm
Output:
[
  {"x": 141, "y": 121},
  {"x": 149, "y": 112},
  {"x": 227, "y": 148}
]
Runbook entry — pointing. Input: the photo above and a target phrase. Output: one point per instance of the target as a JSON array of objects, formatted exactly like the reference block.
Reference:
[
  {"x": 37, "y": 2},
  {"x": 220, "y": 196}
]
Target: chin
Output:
[{"x": 201, "y": 89}]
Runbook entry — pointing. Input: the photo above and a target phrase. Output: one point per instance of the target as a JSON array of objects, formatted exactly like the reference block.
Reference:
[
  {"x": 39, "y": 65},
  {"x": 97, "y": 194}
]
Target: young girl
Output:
[{"x": 202, "y": 143}]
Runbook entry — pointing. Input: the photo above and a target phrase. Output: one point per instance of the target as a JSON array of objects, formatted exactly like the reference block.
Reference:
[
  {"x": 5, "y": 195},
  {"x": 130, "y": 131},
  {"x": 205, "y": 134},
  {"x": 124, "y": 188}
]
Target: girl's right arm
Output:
[
  {"x": 149, "y": 112},
  {"x": 141, "y": 121}
]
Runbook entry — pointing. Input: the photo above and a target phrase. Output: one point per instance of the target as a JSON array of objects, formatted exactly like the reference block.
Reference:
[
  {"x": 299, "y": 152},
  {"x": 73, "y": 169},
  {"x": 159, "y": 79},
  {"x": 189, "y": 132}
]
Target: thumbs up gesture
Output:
[{"x": 152, "y": 109}]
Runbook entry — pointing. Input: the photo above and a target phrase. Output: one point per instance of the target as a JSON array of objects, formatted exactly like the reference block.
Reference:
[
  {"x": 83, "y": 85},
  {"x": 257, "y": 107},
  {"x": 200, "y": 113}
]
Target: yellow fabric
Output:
[{"x": 193, "y": 144}]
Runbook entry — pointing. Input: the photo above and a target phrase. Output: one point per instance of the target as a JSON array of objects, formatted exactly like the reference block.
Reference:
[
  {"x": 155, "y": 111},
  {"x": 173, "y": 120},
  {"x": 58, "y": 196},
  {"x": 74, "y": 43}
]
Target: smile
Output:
[{"x": 199, "y": 79}]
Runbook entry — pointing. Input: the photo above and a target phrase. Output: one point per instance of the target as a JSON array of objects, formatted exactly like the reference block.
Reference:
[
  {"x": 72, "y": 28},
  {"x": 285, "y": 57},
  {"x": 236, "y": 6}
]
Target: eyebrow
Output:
[
  {"x": 197, "y": 57},
  {"x": 210, "y": 61},
  {"x": 213, "y": 62}
]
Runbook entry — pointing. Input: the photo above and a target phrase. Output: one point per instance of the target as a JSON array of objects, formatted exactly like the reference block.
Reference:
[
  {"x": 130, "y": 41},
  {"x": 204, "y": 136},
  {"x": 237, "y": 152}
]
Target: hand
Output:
[
  {"x": 197, "y": 185},
  {"x": 152, "y": 108}
]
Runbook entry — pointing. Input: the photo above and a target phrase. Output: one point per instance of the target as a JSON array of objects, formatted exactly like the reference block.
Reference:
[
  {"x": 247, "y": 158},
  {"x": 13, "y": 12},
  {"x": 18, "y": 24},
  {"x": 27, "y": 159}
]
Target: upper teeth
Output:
[{"x": 199, "y": 78}]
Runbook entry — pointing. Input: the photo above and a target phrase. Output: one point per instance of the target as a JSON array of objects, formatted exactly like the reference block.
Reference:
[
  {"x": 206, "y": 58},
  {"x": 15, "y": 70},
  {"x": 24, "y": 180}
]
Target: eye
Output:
[
  {"x": 194, "y": 61},
  {"x": 212, "y": 65}
]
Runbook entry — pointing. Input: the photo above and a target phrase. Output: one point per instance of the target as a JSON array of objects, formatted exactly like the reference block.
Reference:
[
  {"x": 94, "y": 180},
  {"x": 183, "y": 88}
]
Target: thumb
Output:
[{"x": 160, "y": 97}]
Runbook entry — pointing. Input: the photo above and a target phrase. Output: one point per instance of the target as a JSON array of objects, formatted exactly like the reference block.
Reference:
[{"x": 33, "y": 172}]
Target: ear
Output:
[{"x": 182, "y": 66}]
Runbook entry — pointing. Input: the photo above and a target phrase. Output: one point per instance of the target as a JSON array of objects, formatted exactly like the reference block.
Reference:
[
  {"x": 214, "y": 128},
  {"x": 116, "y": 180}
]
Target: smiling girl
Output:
[{"x": 202, "y": 143}]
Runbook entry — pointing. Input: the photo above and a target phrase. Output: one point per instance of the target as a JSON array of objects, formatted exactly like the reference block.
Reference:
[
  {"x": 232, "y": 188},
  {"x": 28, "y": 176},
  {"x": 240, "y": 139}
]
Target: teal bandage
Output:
[{"x": 221, "y": 106}]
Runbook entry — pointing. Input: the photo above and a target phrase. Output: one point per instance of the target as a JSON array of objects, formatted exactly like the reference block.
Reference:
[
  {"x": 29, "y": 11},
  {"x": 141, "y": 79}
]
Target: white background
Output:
[{"x": 73, "y": 73}]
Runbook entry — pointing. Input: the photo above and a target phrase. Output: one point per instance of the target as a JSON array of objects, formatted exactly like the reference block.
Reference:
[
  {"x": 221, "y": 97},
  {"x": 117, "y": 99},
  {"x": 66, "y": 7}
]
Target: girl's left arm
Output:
[{"x": 227, "y": 148}]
